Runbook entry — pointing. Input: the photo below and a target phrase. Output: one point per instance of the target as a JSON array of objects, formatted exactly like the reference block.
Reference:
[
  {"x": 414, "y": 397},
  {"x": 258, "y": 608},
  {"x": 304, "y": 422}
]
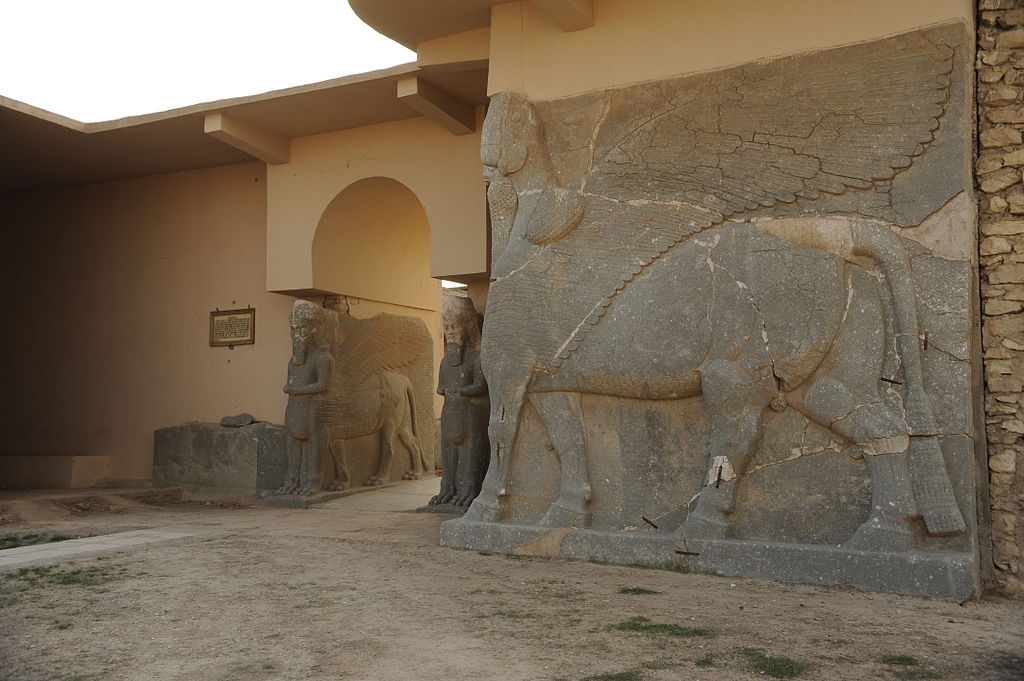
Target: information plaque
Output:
[{"x": 233, "y": 327}]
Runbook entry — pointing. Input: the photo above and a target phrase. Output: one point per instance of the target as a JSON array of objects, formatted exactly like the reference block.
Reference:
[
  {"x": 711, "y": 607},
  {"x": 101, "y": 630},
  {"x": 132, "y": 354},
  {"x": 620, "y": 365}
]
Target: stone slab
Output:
[
  {"x": 941, "y": 574},
  {"x": 296, "y": 501},
  {"x": 41, "y": 554},
  {"x": 212, "y": 461}
]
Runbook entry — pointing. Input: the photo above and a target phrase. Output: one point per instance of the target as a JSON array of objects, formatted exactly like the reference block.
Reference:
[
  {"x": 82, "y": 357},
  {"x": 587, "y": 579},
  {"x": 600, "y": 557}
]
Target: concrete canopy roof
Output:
[
  {"x": 410, "y": 22},
  {"x": 43, "y": 150}
]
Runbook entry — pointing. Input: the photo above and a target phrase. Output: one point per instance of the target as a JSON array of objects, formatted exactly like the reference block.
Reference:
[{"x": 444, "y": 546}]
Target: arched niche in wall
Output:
[{"x": 373, "y": 242}]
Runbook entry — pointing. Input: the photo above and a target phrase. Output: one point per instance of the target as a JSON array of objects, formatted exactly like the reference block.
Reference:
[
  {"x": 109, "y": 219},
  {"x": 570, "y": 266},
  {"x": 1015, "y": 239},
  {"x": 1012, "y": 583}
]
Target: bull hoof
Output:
[
  {"x": 337, "y": 486},
  {"x": 484, "y": 513},
  {"x": 946, "y": 522},
  {"x": 411, "y": 475},
  {"x": 697, "y": 526},
  {"x": 560, "y": 515},
  {"x": 882, "y": 534},
  {"x": 373, "y": 481}
]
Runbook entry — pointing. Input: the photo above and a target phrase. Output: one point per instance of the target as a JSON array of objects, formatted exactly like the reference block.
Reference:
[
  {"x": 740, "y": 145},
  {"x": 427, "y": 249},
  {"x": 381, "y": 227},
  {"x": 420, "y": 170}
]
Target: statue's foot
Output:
[
  {"x": 562, "y": 514},
  {"x": 699, "y": 526},
  {"x": 882, "y": 533},
  {"x": 462, "y": 500},
  {"x": 411, "y": 475},
  {"x": 484, "y": 512},
  {"x": 373, "y": 481},
  {"x": 337, "y": 486}
]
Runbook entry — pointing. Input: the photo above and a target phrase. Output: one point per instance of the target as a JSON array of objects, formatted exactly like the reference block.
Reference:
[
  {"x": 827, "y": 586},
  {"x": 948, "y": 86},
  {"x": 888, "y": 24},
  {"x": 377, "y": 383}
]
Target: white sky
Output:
[{"x": 95, "y": 60}]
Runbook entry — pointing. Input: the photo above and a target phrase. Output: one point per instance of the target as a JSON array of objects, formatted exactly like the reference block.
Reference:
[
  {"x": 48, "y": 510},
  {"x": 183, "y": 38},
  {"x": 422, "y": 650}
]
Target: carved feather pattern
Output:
[
  {"x": 384, "y": 342},
  {"x": 668, "y": 160}
]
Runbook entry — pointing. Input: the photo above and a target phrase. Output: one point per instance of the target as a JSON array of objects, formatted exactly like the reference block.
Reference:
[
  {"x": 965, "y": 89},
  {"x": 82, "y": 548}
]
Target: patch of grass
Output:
[
  {"x": 706, "y": 661},
  {"x": 62, "y": 625},
  {"x": 630, "y": 675},
  {"x": 637, "y": 591},
  {"x": 908, "y": 667},
  {"x": 515, "y": 556},
  {"x": 486, "y": 553},
  {"x": 646, "y": 626},
  {"x": 775, "y": 666},
  {"x": 510, "y": 614},
  {"x": 1010, "y": 666},
  {"x": 10, "y": 541},
  {"x": 660, "y": 664},
  {"x": 48, "y": 575}
]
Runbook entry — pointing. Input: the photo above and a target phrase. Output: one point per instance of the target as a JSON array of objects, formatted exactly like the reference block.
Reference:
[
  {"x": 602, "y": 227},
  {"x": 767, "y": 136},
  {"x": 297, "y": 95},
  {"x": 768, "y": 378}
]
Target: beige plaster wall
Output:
[
  {"x": 107, "y": 290},
  {"x": 373, "y": 241},
  {"x": 647, "y": 39},
  {"x": 441, "y": 169}
]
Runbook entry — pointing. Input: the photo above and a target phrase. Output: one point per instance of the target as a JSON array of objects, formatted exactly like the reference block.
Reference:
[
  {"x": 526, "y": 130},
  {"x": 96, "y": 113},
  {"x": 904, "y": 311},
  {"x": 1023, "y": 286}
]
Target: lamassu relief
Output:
[{"x": 730, "y": 321}]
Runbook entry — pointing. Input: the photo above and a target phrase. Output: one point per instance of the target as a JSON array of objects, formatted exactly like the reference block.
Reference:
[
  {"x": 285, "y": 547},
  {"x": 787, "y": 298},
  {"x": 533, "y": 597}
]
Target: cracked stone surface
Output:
[{"x": 768, "y": 266}]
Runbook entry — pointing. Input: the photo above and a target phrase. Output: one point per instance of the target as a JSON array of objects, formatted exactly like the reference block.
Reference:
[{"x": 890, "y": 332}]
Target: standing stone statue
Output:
[
  {"x": 309, "y": 377},
  {"x": 464, "y": 444}
]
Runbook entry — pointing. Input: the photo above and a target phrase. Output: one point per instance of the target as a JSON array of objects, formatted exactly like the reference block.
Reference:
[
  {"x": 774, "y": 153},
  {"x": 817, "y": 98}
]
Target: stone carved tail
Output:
[{"x": 932, "y": 491}]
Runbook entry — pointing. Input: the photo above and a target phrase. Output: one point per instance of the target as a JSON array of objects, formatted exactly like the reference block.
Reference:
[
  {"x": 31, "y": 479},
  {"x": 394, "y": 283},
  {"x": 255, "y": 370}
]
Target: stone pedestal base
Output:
[
  {"x": 941, "y": 574},
  {"x": 296, "y": 501}
]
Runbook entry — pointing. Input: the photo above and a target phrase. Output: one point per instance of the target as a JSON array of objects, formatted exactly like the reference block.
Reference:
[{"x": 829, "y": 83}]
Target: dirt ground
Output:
[{"x": 267, "y": 594}]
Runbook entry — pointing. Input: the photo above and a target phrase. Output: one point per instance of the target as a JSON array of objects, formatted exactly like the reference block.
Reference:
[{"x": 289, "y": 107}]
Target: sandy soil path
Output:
[{"x": 356, "y": 592}]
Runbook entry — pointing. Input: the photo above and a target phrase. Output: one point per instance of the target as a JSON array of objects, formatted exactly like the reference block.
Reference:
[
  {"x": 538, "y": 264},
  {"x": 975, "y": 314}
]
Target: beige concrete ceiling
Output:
[
  {"x": 410, "y": 22},
  {"x": 42, "y": 149}
]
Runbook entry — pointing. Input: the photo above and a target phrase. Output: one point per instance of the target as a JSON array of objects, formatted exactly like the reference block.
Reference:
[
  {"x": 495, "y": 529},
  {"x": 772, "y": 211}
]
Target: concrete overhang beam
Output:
[
  {"x": 267, "y": 145},
  {"x": 571, "y": 15},
  {"x": 453, "y": 114}
]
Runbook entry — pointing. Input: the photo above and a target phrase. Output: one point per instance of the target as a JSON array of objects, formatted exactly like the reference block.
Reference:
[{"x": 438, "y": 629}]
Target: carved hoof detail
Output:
[
  {"x": 697, "y": 526},
  {"x": 882, "y": 534},
  {"x": 337, "y": 486},
  {"x": 484, "y": 513},
  {"x": 373, "y": 481},
  {"x": 411, "y": 475},
  {"x": 944, "y": 522},
  {"x": 559, "y": 515}
]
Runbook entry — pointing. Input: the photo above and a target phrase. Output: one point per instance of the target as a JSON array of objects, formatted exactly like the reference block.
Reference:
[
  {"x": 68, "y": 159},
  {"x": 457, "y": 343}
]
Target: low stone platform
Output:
[
  {"x": 43, "y": 554},
  {"x": 940, "y": 574}
]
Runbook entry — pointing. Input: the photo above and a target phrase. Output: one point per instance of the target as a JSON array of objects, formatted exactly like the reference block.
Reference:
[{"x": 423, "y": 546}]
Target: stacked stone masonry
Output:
[{"x": 1000, "y": 63}]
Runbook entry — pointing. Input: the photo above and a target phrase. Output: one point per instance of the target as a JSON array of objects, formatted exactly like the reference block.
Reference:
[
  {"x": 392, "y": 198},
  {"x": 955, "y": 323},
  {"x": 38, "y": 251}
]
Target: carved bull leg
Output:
[
  {"x": 562, "y": 414},
  {"x": 339, "y": 465},
  {"x": 736, "y": 401},
  {"x": 418, "y": 463},
  {"x": 880, "y": 431},
  {"x": 387, "y": 455}
]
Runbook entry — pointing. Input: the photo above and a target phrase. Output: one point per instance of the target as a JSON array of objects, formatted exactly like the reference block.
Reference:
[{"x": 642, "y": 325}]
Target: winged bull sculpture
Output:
[{"x": 647, "y": 275}]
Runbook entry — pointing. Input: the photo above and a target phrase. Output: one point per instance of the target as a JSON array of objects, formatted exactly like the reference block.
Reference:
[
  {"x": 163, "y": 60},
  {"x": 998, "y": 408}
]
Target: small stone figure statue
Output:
[
  {"x": 464, "y": 445},
  {"x": 309, "y": 377}
]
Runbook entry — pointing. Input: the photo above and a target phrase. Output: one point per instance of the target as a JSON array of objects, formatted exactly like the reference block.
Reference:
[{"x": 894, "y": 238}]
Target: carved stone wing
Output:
[
  {"x": 384, "y": 342},
  {"x": 657, "y": 163},
  {"x": 772, "y": 132}
]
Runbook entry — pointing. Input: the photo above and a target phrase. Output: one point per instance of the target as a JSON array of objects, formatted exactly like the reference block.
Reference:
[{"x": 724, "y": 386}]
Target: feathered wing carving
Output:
[
  {"x": 384, "y": 342},
  {"x": 671, "y": 159}
]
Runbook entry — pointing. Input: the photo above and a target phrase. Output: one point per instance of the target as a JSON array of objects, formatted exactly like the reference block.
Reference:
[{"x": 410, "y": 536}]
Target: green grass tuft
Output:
[
  {"x": 775, "y": 666},
  {"x": 706, "y": 661},
  {"x": 901, "y": 660},
  {"x": 637, "y": 591},
  {"x": 646, "y": 626}
]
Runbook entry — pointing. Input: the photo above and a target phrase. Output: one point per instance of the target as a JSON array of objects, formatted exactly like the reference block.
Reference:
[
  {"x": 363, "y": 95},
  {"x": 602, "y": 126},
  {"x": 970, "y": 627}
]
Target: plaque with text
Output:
[{"x": 233, "y": 327}]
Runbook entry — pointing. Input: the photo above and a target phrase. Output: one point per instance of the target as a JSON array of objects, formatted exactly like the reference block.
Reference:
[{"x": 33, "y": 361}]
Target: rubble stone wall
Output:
[{"x": 1000, "y": 63}]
